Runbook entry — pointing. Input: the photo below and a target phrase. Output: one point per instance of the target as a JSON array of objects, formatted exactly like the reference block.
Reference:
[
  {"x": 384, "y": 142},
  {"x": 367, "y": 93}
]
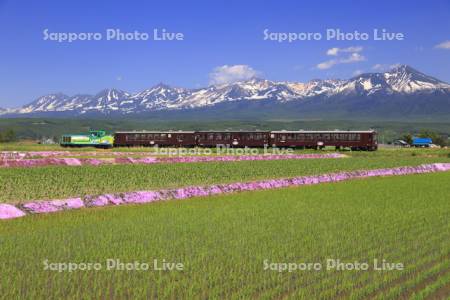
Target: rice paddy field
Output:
[{"x": 263, "y": 244}]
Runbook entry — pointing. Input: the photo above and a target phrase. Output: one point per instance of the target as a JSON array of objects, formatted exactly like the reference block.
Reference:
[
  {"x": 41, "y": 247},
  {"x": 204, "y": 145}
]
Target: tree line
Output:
[
  {"x": 7, "y": 135},
  {"x": 437, "y": 138}
]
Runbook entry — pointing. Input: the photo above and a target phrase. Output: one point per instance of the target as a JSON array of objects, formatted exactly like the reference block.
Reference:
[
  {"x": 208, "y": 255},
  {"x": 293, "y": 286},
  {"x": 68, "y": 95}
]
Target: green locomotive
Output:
[{"x": 95, "y": 138}]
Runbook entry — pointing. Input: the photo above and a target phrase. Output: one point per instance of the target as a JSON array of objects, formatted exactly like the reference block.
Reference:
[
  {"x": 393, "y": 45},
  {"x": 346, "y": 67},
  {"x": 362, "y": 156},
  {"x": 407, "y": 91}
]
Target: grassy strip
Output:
[
  {"x": 53, "y": 182},
  {"x": 224, "y": 240}
]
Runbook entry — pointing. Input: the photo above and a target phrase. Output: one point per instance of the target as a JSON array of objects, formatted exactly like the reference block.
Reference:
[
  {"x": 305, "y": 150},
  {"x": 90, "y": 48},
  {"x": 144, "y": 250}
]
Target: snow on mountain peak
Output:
[
  {"x": 408, "y": 80},
  {"x": 401, "y": 79}
]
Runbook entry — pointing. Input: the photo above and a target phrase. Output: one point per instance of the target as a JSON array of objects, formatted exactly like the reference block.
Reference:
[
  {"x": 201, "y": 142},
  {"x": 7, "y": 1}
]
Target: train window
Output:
[
  {"x": 211, "y": 136},
  {"x": 163, "y": 136},
  {"x": 354, "y": 137},
  {"x": 219, "y": 136},
  {"x": 227, "y": 136}
]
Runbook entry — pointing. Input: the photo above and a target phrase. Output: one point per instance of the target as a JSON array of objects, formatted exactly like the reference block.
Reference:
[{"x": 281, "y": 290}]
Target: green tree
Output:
[
  {"x": 407, "y": 138},
  {"x": 8, "y": 136},
  {"x": 434, "y": 136}
]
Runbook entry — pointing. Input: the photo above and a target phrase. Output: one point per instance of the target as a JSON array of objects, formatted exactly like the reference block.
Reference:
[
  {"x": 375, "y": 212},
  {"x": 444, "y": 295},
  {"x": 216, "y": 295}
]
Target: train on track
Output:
[{"x": 354, "y": 140}]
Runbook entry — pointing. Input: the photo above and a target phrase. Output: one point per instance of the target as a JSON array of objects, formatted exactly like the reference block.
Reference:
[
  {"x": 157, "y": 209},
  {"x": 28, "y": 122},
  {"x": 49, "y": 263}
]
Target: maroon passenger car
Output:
[
  {"x": 356, "y": 140},
  {"x": 232, "y": 138},
  {"x": 155, "y": 138}
]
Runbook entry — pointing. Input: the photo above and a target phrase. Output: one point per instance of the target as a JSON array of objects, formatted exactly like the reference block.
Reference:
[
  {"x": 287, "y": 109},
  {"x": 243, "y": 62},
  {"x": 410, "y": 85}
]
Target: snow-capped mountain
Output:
[
  {"x": 160, "y": 96},
  {"x": 402, "y": 81},
  {"x": 57, "y": 103}
]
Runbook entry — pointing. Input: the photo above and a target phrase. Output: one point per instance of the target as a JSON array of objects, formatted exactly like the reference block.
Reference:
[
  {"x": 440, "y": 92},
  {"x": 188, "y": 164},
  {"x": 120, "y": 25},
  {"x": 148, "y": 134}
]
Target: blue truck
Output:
[{"x": 421, "y": 142}]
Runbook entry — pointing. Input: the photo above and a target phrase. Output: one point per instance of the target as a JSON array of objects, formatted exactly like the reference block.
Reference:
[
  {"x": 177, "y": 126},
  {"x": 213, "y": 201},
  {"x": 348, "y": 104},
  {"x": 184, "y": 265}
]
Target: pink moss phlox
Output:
[
  {"x": 123, "y": 160},
  {"x": 72, "y": 161},
  {"x": 8, "y": 211},
  {"x": 40, "y": 207},
  {"x": 103, "y": 200},
  {"x": 92, "y": 161},
  {"x": 48, "y": 160},
  {"x": 142, "y": 197},
  {"x": 144, "y": 160},
  {"x": 442, "y": 166},
  {"x": 53, "y": 205}
]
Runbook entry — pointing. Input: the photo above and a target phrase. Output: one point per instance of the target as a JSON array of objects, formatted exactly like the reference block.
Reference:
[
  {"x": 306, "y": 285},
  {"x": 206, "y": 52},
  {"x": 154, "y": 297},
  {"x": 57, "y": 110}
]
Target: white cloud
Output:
[
  {"x": 357, "y": 72},
  {"x": 333, "y": 51},
  {"x": 379, "y": 67},
  {"x": 336, "y": 51},
  {"x": 327, "y": 64},
  {"x": 384, "y": 67},
  {"x": 228, "y": 74},
  {"x": 354, "y": 56},
  {"x": 395, "y": 65},
  {"x": 443, "y": 45}
]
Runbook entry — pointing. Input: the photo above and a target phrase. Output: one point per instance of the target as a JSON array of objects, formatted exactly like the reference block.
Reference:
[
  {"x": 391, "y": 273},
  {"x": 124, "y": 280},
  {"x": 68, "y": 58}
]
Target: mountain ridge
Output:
[{"x": 361, "y": 93}]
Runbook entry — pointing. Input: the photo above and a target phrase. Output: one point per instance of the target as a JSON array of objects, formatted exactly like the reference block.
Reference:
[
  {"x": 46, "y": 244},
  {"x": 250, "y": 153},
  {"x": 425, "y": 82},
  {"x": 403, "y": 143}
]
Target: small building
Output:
[{"x": 421, "y": 142}]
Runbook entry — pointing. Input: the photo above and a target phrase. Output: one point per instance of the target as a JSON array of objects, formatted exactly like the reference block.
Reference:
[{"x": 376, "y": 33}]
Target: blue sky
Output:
[{"x": 216, "y": 34}]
